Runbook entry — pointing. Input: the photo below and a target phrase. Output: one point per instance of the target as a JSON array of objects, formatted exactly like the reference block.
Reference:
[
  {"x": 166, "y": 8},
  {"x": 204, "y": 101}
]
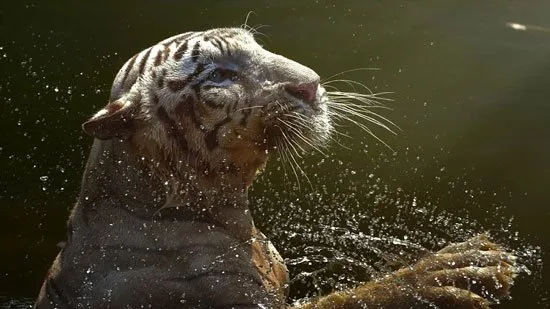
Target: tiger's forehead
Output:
[
  {"x": 229, "y": 44},
  {"x": 229, "y": 33},
  {"x": 216, "y": 44}
]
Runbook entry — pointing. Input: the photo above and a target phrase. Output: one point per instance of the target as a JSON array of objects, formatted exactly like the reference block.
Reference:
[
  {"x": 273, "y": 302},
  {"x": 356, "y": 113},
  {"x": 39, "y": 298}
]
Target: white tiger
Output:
[{"x": 162, "y": 220}]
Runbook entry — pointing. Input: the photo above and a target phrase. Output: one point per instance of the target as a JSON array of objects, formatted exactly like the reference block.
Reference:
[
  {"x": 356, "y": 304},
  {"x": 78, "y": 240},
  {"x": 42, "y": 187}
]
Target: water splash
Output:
[{"x": 363, "y": 226}]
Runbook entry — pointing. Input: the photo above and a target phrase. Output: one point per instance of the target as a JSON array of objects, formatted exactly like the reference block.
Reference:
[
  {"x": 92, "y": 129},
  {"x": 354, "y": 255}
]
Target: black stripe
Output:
[
  {"x": 180, "y": 51},
  {"x": 144, "y": 61},
  {"x": 223, "y": 39},
  {"x": 165, "y": 52},
  {"x": 229, "y": 107},
  {"x": 158, "y": 58},
  {"x": 129, "y": 68},
  {"x": 211, "y": 138},
  {"x": 244, "y": 120},
  {"x": 160, "y": 82},
  {"x": 173, "y": 129},
  {"x": 218, "y": 44},
  {"x": 195, "y": 54},
  {"x": 227, "y": 45},
  {"x": 186, "y": 108},
  {"x": 177, "y": 85},
  {"x": 212, "y": 104},
  {"x": 228, "y": 34},
  {"x": 198, "y": 70},
  {"x": 180, "y": 37},
  {"x": 246, "y": 113},
  {"x": 196, "y": 86},
  {"x": 197, "y": 89},
  {"x": 155, "y": 99}
]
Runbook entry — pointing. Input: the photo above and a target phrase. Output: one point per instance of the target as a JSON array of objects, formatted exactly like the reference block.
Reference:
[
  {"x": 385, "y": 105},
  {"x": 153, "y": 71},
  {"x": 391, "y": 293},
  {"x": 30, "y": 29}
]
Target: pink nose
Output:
[{"x": 306, "y": 92}]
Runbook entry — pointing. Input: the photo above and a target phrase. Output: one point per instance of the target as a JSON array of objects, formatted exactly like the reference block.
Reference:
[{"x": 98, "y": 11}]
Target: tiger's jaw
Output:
[{"x": 284, "y": 124}]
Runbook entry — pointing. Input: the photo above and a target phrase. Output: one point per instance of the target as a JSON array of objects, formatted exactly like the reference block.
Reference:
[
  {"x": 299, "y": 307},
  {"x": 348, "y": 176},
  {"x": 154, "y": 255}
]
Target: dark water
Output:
[{"x": 470, "y": 95}]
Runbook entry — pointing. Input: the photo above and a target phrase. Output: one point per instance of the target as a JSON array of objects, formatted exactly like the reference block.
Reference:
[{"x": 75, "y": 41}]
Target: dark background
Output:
[{"x": 470, "y": 96}]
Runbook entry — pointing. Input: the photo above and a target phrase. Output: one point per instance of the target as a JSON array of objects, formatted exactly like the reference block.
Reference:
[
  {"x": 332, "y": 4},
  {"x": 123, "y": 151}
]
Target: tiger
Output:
[{"x": 163, "y": 220}]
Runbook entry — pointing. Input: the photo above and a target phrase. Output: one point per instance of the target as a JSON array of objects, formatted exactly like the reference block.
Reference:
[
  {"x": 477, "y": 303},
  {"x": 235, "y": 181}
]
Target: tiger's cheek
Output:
[{"x": 221, "y": 98}]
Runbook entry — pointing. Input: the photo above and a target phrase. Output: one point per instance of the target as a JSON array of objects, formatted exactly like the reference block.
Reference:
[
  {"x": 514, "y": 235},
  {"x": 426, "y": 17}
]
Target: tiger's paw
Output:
[{"x": 472, "y": 274}]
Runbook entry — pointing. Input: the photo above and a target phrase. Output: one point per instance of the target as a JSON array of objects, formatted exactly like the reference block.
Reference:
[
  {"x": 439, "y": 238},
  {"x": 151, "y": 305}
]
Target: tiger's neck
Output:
[{"x": 116, "y": 172}]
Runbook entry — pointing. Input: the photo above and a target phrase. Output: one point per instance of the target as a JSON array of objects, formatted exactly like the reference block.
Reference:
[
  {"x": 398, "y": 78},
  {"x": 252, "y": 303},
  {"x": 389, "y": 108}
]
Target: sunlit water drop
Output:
[{"x": 334, "y": 237}]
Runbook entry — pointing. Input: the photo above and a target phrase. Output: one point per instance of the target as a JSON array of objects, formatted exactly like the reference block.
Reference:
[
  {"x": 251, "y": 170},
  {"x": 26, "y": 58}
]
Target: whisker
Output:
[
  {"x": 362, "y": 112},
  {"x": 303, "y": 121},
  {"x": 248, "y": 107},
  {"x": 341, "y": 108},
  {"x": 245, "y": 25},
  {"x": 253, "y": 29},
  {"x": 349, "y": 71},
  {"x": 280, "y": 149},
  {"x": 256, "y": 31},
  {"x": 365, "y": 117},
  {"x": 374, "y": 97},
  {"x": 301, "y": 136},
  {"x": 359, "y": 107},
  {"x": 350, "y": 83},
  {"x": 365, "y": 129},
  {"x": 290, "y": 143},
  {"x": 338, "y": 142},
  {"x": 285, "y": 152},
  {"x": 283, "y": 162},
  {"x": 296, "y": 133}
]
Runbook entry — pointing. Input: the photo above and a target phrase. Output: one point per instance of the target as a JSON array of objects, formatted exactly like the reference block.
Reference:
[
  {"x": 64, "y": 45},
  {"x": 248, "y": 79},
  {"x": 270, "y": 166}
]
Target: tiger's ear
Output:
[{"x": 117, "y": 119}]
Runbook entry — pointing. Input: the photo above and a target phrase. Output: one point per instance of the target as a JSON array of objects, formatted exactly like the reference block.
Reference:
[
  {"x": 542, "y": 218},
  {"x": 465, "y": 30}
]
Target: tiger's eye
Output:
[
  {"x": 216, "y": 76},
  {"x": 220, "y": 75}
]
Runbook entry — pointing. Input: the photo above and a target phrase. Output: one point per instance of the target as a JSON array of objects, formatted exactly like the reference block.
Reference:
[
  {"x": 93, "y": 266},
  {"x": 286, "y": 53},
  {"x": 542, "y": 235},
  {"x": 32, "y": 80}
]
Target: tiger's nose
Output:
[{"x": 306, "y": 92}]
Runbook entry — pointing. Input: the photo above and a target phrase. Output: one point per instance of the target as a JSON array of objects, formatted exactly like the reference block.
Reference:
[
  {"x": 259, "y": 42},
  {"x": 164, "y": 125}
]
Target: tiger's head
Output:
[{"x": 215, "y": 102}]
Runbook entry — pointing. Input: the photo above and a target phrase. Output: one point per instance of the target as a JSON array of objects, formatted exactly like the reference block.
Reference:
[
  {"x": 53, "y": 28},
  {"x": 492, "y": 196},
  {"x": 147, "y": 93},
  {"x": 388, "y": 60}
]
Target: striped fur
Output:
[{"x": 173, "y": 81}]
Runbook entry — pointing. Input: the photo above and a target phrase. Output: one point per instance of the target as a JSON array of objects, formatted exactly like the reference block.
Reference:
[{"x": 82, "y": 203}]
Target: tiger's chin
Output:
[{"x": 250, "y": 153}]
